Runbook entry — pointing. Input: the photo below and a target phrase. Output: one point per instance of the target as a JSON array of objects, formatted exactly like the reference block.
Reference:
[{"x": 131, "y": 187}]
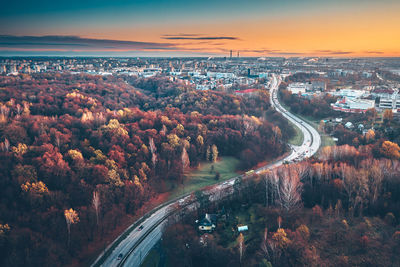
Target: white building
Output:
[
  {"x": 350, "y": 93},
  {"x": 392, "y": 102},
  {"x": 221, "y": 75},
  {"x": 353, "y": 105},
  {"x": 149, "y": 72},
  {"x": 203, "y": 87},
  {"x": 296, "y": 88},
  {"x": 382, "y": 92}
]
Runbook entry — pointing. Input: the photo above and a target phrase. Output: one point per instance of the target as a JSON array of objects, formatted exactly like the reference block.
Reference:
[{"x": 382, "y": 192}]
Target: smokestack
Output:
[
  {"x": 230, "y": 55},
  {"x": 237, "y": 53}
]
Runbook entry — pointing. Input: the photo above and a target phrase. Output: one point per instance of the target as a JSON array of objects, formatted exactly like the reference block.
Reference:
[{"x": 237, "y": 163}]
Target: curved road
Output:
[{"x": 135, "y": 246}]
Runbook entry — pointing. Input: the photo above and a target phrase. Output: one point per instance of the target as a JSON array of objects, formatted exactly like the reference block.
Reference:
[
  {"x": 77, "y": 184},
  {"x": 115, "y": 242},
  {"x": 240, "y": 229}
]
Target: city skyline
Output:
[{"x": 176, "y": 28}]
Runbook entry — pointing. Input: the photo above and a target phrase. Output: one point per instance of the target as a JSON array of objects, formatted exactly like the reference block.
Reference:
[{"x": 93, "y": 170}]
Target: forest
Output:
[
  {"x": 81, "y": 153},
  {"x": 340, "y": 209}
]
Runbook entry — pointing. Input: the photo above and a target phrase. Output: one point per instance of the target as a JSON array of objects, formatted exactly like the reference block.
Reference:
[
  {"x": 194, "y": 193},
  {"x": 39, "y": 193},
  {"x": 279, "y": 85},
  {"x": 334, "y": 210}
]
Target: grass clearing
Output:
[
  {"x": 204, "y": 175},
  {"x": 152, "y": 259},
  {"x": 298, "y": 138},
  {"x": 327, "y": 140}
]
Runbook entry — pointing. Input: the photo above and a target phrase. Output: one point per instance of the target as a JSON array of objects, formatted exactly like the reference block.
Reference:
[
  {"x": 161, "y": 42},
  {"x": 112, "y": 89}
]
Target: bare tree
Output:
[
  {"x": 275, "y": 186},
  {"x": 290, "y": 190},
  {"x": 267, "y": 184},
  {"x": 302, "y": 169},
  {"x": 6, "y": 144},
  {"x": 185, "y": 159},
  {"x": 355, "y": 182},
  {"x": 153, "y": 150},
  {"x": 279, "y": 220},
  {"x": 275, "y": 251},
  {"x": 375, "y": 179},
  {"x": 264, "y": 244},
  {"x": 96, "y": 205}
]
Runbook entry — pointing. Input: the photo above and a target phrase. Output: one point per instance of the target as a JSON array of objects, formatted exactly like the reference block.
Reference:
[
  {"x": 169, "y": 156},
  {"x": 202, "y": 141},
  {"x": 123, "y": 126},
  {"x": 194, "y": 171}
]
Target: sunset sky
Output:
[{"x": 200, "y": 28}]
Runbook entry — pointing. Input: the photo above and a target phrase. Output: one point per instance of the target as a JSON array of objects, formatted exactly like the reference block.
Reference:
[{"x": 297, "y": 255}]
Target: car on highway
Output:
[
  {"x": 120, "y": 256},
  {"x": 140, "y": 228},
  {"x": 249, "y": 172}
]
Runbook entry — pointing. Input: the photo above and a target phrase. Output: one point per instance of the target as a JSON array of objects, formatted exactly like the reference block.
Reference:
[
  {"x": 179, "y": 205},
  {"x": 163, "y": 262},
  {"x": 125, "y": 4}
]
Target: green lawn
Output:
[
  {"x": 205, "y": 175},
  {"x": 243, "y": 216},
  {"x": 152, "y": 259},
  {"x": 327, "y": 140},
  {"x": 298, "y": 138}
]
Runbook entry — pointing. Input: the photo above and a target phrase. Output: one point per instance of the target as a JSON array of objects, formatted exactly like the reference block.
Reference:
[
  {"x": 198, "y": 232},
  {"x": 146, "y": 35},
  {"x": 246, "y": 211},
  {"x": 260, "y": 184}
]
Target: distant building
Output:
[
  {"x": 175, "y": 73},
  {"x": 392, "y": 102},
  {"x": 149, "y": 72},
  {"x": 203, "y": 87},
  {"x": 366, "y": 74},
  {"x": 349, "y": 125},
  {"x": 382, "y": 92},
  {"x": 296, "y": 88},
  {"x": 349, "y": 93},
  {"x": 221, "y": 75},
  {"x": 247, "y": 92},
  {"x": 353, "y": 105},
  {"x": 318, "y": 86},
  {"x": 264, "y": 75}
]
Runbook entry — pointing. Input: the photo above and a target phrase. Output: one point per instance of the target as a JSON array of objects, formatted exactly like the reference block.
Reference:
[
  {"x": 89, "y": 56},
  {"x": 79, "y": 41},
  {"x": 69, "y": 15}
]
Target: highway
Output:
[
  {"x": 132, "y": 250},
  {"x": 311, "y": 140}
]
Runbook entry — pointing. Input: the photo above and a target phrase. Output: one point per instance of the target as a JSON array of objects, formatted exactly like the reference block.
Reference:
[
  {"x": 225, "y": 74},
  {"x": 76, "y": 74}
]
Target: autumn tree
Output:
[
  {"x": 241, "y": 247},
  {"x": 390, "y": 150},
  {"x": 370, "y": 136},
  {"x": 71, "y": 217},
  {"x": 4, "y": 228},
  {"x": 214, "y": 153},
  {"x": 35, "y": 189},
  {"x": 280, "y": 237},
  {"x": 387, "y": 115}
]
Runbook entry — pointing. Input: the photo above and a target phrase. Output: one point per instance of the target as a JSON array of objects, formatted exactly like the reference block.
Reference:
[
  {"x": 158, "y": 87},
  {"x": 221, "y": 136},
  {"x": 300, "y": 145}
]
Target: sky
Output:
[{"x": 332, "y": 28}]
